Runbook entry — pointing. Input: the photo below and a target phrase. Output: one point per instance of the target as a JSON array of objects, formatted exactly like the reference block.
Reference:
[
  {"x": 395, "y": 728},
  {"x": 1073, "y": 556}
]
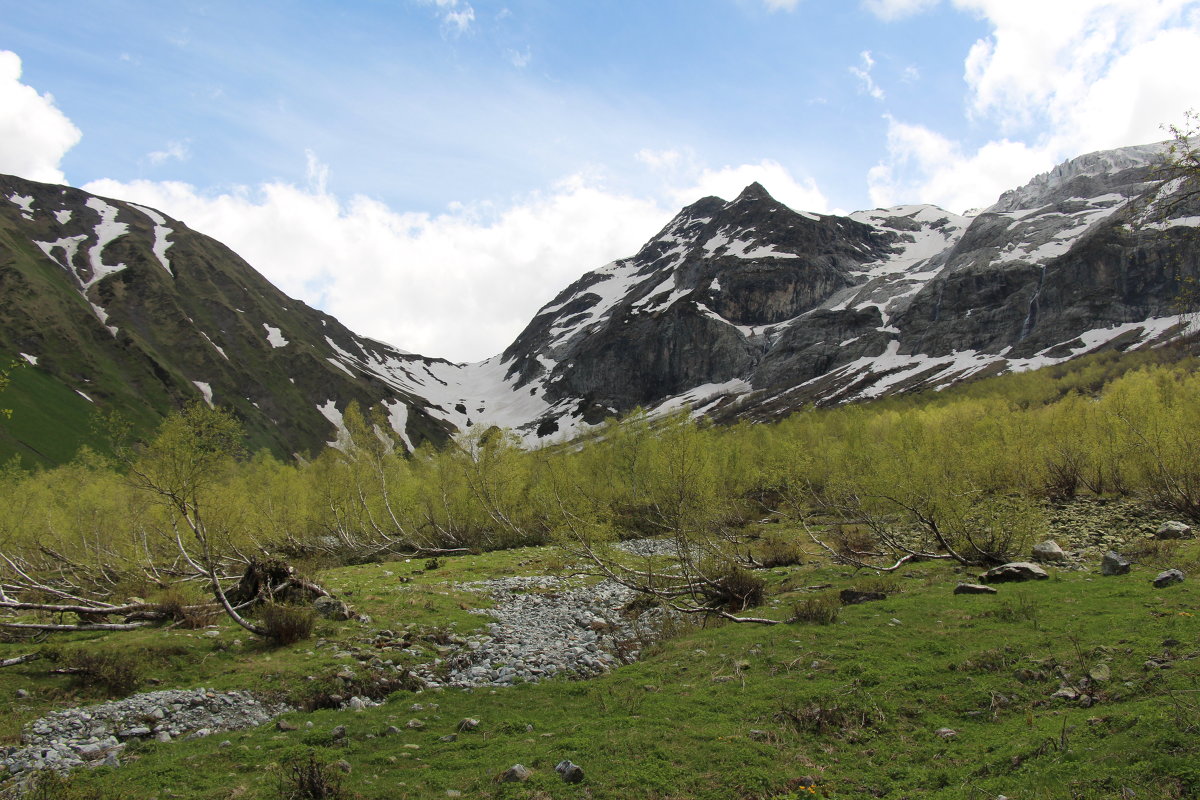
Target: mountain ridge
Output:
[{"x": 736, "y": 308}]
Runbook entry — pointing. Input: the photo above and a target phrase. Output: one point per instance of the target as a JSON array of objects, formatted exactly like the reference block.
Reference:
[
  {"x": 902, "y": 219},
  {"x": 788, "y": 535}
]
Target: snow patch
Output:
[
  {"x": 329, "y": 411},
  {"x": 206, "y": 391},
  {"x": 84, "y": 396},
  {"x": 161, "y": 232},
  {"x": 63, "y": 216},
  {"x": 31, "y": 359},
  {"x": 275, "y": 336}
]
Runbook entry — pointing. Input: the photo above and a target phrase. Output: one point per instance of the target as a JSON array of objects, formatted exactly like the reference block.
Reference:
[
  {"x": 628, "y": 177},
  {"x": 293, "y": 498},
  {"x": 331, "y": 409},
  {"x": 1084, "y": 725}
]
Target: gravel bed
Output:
[
  {"x": 93, "y": 735},
  {"x": 546, "y": 626}
]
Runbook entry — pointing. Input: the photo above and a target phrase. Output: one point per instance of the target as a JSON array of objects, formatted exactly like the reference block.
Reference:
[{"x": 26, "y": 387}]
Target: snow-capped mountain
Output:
[{"x": 738, "y": 308}]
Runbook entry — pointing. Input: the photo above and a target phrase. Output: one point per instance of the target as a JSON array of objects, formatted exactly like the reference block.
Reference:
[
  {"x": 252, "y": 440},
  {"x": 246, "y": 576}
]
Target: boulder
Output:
[
  {"x": 1049, "y": 552},
  {"x": 517, "y": 773},
  {"x": 1174, "y": 530},
  {"x": 569, "y": 772},
  {"x": 852, "y": 597},
  {"x": 332, "y": 608},
  {"x": 973, "y": 588},
  {"x": 1168, "y": 578},
  {"x": 1114, "y": 564},
  {"x": 1014, "y": 571}
]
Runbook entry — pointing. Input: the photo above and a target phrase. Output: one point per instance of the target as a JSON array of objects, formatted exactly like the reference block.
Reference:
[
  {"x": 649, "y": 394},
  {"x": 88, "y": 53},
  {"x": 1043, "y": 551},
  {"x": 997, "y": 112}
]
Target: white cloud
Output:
[
  {"x": 456, "y": 15},
  {"x": 924, "y": 166},
  {"x": 781, "y": 5},
  {"x": 728, "y": 182},
  {"x": 519, "y": 58},
  {"x": 897, "y": 9},
  {"x": 34, "y": 133},
  {"x": 863, "y": 73},
  {"x": 1053, "y": 80},
  {"x": 659, "y": 159},
  {"x": 178, "y": 151}
]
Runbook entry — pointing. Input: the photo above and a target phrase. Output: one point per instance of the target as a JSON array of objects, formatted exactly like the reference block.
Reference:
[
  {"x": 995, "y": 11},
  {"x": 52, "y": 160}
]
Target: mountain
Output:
[
  {"x": 744, "y": 308},
  {"x": 110, "y": 305}
]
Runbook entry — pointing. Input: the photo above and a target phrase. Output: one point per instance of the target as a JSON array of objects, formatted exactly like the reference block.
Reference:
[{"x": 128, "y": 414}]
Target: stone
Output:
[
  {"x": 1114, "y": 563},
  {"x": 467, "y": 724},
  {"x": 338, "y": 733},
  {"x": 1014, "y": 571},
  {"x": 357, "y": 704},
  {"x": 517, "y": 773},
  {"x": 332, "y": 608},
  {"x": 852, "y": 597},
  {"x": 22, "y": 694},
  {"x": 1101, "y": 673},
  {"x": 1174, "y": 530},
  {"x": 1168, "y": 578},
  {"x": 974, "y": 588},
  {"x": 450, "y": 737},
  {"x": 414, "y": 724},
  {"x": 1049, "y": 552},
  {"x": 343, "y": 766},
  {"x": 569, "y": 772},
  {"x": 946, "y": 733}
]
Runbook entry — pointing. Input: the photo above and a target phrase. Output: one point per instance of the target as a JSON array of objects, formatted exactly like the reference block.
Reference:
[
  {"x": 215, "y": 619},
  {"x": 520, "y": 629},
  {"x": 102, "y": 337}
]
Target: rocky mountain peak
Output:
[{"x": 1082, "y": 176}]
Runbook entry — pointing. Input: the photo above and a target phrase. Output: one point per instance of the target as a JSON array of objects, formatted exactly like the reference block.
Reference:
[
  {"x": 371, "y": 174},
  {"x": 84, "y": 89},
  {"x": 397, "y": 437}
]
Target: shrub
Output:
[
  {"x": 287, "y": 624},
  {"x": 819, "y": 609},
  {"x": 51, "y": 785},
  {"x": 306, "y": 779},
  {"x": 117, "y": 673},
  {"x": 779, "y": 551},
  {"x": 189, "y": 609},
  {"x": 734, "y": 589}
]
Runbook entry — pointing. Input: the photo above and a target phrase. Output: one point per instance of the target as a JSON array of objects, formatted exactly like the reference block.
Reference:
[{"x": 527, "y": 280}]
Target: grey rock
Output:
[
  {"x": 1114, "y": 563},
  {"x": 332, "y": 608},
  {"x": 517, "y": 773},
  {"x": 569, "y": 772},
  {"x": 414, "y": 724},
  {"x": 852, "y": 597},
  {"x": 946, "y": 733},
  {"x": 1049, "y": 552},
  {"x": 1174, "y": 530},
  {"x": 1014, "y": 571},
  {"x": 974, "y": 588},
  {"x": 1168, "y": 578},
  {"x": 467, "y": 724},
  {"x": 338, "y": 733}
]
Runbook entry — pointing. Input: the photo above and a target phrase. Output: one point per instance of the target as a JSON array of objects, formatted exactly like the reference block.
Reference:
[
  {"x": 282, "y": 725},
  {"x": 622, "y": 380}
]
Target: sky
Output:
[{"x": 431, "y": 172}]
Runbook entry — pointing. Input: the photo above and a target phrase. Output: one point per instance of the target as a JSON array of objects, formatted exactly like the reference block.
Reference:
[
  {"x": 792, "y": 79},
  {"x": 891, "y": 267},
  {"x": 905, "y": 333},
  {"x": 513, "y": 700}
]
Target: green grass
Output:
[{"x": 728, "y": 711}]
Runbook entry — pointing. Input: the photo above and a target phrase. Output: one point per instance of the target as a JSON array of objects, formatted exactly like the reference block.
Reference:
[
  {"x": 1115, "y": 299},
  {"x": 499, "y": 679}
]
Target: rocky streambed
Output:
[
  {"x": 546, "y": 626},
  {"x": 94, "y": 735}
]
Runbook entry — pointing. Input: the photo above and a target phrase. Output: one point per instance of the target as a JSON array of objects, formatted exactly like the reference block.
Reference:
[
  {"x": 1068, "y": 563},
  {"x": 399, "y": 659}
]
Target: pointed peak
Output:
[{"x": 754, "y": 192}]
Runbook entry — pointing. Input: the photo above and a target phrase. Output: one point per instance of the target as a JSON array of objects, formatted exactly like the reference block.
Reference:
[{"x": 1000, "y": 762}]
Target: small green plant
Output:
[
  {"x": 287, "y": 624},
  {"x": 307, "y": 779},
  {"x": 187, "y": 608},
  {"x": 819, "y": 609}
]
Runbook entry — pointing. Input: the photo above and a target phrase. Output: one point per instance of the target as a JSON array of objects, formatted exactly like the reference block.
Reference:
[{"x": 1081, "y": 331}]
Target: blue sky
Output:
[{"x": 431, "y": 171}]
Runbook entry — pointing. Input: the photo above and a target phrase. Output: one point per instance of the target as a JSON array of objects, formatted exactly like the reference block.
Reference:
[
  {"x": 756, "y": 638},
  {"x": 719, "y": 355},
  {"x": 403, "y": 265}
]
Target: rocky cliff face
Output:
[{"x": 739, "y": 308}]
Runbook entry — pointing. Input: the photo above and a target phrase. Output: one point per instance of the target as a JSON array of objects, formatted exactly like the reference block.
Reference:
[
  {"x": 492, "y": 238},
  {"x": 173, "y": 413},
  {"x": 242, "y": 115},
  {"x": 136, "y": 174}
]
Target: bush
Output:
[
  {"x": 306, "y": 779},
  {"x": 118, "y": 673},
  {"x": 50, "y": 785},
  {"x": 819, "y": 609},
  {"x": 287, "y": 624},
  {"x": 734, "y": 589},
  {"x": 779, "y": 551},
  {"x": 189, "y": 609}
]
